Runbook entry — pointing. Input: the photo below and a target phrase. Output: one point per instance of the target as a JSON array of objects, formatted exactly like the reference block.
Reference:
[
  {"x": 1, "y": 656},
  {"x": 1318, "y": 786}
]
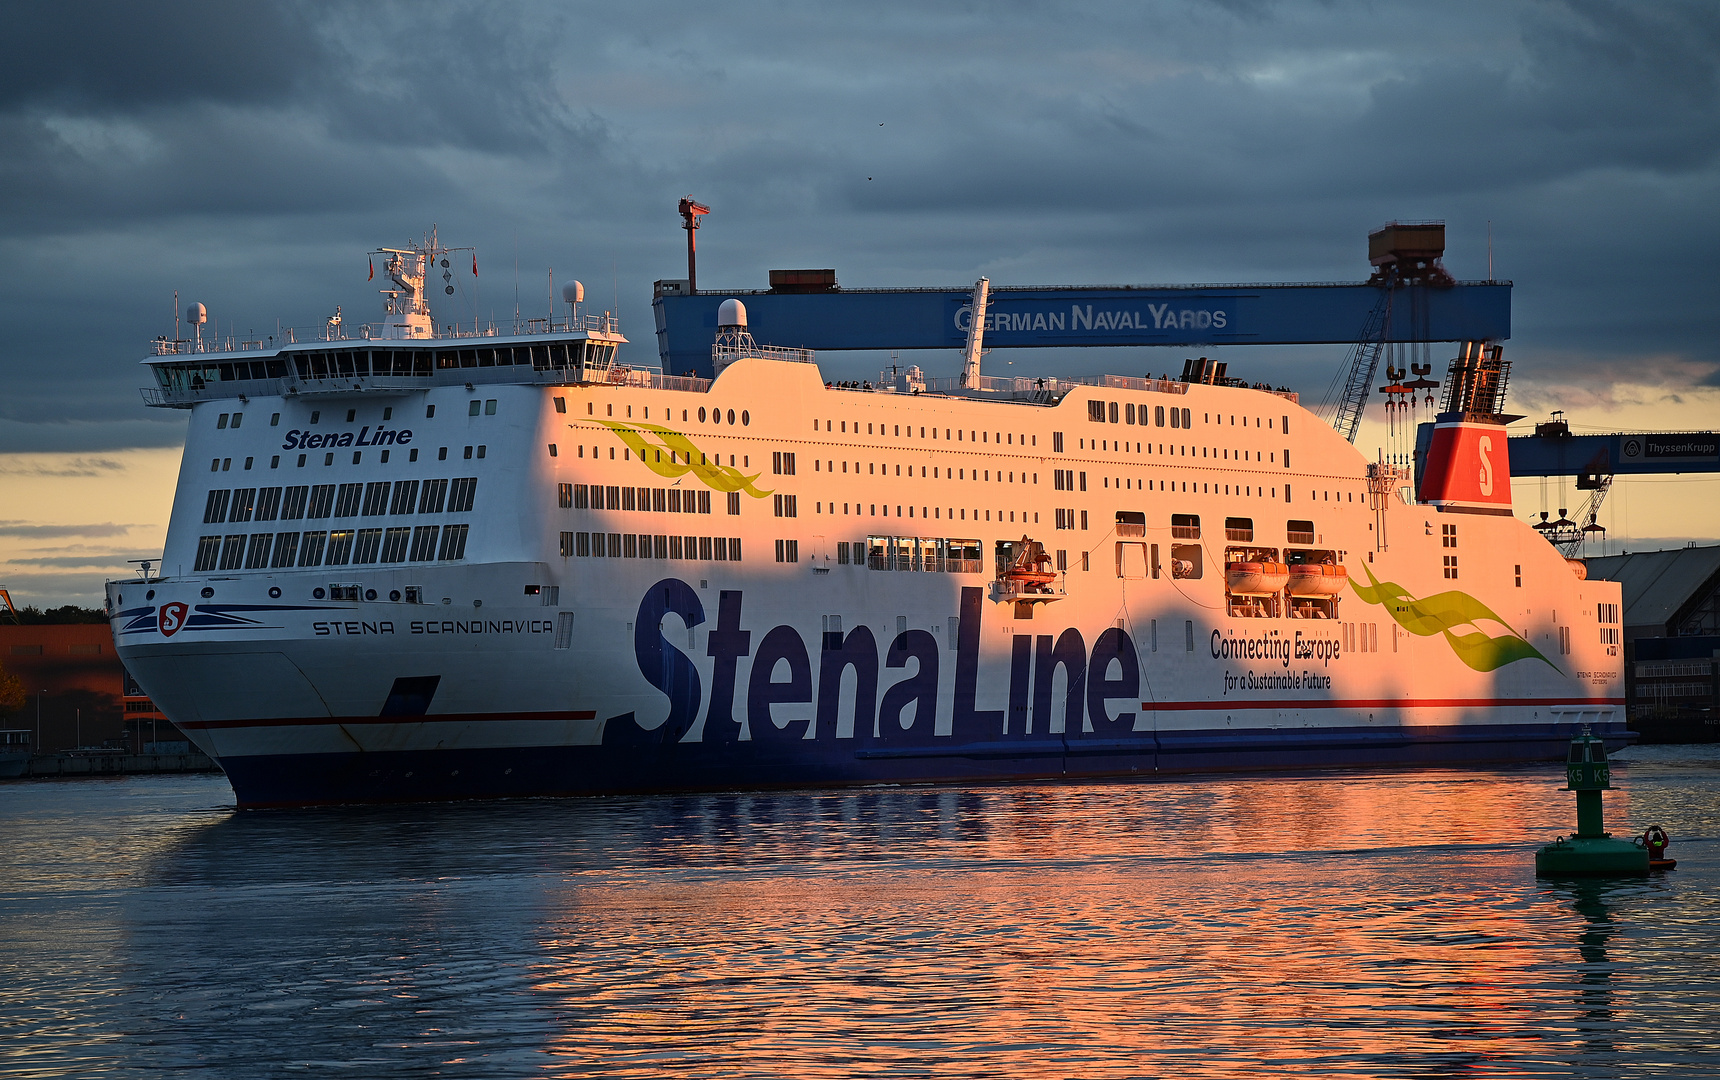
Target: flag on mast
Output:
[
  {"x": 474, "y": 264},
  {"x": 372, "y": 276}
]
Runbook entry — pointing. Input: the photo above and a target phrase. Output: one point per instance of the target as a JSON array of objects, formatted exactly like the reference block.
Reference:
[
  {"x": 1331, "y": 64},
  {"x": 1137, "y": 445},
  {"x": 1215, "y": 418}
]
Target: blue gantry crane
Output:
[
  {"x": 1410, "y": 299},
  {"x": 1596, "y": 459}
]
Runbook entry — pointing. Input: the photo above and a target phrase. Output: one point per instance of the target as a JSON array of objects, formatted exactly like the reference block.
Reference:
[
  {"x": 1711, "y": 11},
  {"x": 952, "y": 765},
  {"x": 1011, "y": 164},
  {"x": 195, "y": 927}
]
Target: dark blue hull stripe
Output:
[{"x": 403, "y": 776}]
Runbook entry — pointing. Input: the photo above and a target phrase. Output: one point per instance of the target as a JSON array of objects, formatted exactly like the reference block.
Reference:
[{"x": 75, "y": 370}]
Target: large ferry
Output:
[{"x": 410, "y": 563}]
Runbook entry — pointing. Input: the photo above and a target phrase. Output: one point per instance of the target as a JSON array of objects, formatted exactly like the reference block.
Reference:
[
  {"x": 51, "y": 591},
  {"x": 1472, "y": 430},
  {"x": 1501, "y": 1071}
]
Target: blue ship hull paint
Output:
[{"x": 642, "y": 767}]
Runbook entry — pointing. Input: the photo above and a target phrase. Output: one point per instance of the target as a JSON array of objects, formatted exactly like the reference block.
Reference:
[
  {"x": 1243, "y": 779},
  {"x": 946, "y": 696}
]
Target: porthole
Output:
[
  {"x": 208, "y": 592},
  {"x": 370, "y": 594},
  {"x": 731, "y": 416},
  {"x": 394, "y": 594},
  {"x": 701, "y": 414},
  {"x": 150, "y": 595},
  {"x": 745, "y": 419},
  {"x": 274, "y": 592},
  {"x": 316, "y": 594}
]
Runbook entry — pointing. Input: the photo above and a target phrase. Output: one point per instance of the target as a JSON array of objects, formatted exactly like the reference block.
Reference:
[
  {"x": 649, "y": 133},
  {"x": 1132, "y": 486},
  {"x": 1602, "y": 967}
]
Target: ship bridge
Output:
[{"x": 401, "y": 353}]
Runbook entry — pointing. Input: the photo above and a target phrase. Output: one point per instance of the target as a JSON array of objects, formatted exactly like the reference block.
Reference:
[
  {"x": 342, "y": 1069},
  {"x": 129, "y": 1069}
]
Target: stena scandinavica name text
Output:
[{"x": 312, "y": 440}]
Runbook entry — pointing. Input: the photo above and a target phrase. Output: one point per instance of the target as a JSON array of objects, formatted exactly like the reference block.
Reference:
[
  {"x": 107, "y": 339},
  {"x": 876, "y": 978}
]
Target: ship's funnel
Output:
[{"x": 1465, "y": 466}]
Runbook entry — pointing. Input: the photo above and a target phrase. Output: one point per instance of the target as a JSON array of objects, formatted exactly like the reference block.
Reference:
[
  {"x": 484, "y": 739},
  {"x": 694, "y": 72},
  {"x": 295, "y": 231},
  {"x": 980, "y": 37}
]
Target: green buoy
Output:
[{"x": 1591, "y": 851}]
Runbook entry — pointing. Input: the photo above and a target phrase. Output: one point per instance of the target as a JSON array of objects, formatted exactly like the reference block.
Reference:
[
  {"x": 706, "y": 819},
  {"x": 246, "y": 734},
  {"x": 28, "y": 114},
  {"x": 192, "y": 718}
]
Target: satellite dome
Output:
[
  {"x": 732, "y": 313},
  {"x": 573, "y": 293},
  {"x": 196, "y": 314}
]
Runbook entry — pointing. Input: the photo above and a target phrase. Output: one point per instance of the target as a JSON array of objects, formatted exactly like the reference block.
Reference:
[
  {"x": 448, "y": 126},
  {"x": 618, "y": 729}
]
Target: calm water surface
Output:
[{"x": 1337, "y": 924}]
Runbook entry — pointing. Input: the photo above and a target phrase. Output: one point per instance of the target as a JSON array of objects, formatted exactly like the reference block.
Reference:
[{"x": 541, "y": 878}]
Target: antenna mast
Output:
[
  {"x": 976, "y": 335},
  {"x": 691, "y": 212}
]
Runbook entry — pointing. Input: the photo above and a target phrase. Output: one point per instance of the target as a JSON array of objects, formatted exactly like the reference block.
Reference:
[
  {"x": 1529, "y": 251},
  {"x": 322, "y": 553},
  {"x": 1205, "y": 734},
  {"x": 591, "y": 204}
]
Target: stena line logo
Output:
[
  {"x": 310, "y": 440},
  {"x": 171, "y": 619}
]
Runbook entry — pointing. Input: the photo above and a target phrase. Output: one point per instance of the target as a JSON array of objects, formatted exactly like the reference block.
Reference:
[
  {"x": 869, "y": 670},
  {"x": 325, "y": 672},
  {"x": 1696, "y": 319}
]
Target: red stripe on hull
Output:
[
  {"x": 439, "y": 718},
  {"x": 1372, "y": 703}
]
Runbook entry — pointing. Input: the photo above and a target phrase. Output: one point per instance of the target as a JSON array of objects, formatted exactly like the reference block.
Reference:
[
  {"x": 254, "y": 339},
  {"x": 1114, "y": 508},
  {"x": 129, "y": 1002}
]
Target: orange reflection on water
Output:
[{"x": 1232, "y": 927}]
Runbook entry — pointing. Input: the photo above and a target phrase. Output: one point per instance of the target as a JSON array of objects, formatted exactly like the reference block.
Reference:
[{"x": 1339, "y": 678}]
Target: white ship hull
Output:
[{"x": 530, "y": 666}]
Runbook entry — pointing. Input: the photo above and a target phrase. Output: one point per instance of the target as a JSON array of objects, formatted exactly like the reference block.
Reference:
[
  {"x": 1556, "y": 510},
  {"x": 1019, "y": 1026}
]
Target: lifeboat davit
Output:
[
  {"x": 1256, "y": 578},
  {"x": 1316, "y": 579}
]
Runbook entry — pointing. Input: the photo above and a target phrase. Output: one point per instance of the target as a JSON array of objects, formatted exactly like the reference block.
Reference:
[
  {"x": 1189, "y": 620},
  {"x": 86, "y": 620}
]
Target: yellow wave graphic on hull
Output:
[
  {"x": 1440, "y": 613},
  {"x": 684, "y": 458}
]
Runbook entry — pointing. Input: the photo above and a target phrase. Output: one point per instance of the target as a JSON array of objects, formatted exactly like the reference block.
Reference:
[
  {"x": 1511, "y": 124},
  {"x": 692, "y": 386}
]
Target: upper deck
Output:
[
  {"x": 404, "y": 353},
  {"x": 578, "y": 349}
]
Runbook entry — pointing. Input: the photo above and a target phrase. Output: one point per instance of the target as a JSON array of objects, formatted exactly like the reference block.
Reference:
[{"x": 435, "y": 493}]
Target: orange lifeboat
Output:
[
  {"x": 1256, "y": 578},
  {"x": 1316, "y": 579},
  {"x": 1031, "y": 567}
]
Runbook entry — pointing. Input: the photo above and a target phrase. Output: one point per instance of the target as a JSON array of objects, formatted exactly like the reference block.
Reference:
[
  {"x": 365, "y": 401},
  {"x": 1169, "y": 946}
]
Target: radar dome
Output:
[
  {"x": 732, "y": 313},
  {"x": 196, "y": 314},
  {"x": 573, "y": 293}
]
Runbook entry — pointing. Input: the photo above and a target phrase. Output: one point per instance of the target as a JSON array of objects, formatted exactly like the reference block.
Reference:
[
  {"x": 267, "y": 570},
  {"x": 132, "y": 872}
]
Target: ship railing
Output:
[
  {"x": 1057, "y": 385},
  {"x": 294, "y": 335},
  {"x": 651, "y": 378},
  {"x": 1007, "y": 591},
  {"x": 724, "y": 355},
  {"x": 936, "y": 564},
  {"x": 185, "y": 396}
]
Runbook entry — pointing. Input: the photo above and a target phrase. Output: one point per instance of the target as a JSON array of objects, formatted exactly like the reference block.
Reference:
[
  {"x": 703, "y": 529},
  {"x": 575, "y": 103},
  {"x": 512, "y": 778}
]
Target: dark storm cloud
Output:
[
  {"x": 119, "y": 57},
  {"x": 248, "y": 155}
]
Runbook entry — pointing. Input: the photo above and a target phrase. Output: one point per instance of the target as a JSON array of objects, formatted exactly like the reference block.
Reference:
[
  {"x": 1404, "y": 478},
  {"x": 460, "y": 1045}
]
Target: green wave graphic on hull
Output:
[{"x": 1441, "y": 614}]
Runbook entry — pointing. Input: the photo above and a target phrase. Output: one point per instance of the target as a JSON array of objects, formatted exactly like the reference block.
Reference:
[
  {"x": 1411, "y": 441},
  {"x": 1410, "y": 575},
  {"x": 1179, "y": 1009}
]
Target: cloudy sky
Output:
[{"x": 248, "y": 155}]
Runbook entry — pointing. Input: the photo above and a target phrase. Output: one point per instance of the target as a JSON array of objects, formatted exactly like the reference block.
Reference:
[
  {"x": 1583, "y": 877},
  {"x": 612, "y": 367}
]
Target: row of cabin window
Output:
[
  {"x": 650, "y": 546},
  {"x": 1063, "y": 477},
  {"x": 336, "y": 547},
  {"x": 910, "y": 553},
  {"x": 1239, "y": 529},
  {"x": 1212, "y": 453},
  {"x": 716, "y": 415},
  {"x": 553, "y": 354},
  {"x": 316, "y": 415},
  {"x": 360, "y": 362},
  {"x": 930, "y": 513},
  {"x": 225, "y": 464},
  {"x": 877, "y": 468},
  {"x": 997, "y": 438},
  {"x": 343, "y": 500},
  {"x": 1102, "y": 411},
  {"x": 658, "y": 500}
]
